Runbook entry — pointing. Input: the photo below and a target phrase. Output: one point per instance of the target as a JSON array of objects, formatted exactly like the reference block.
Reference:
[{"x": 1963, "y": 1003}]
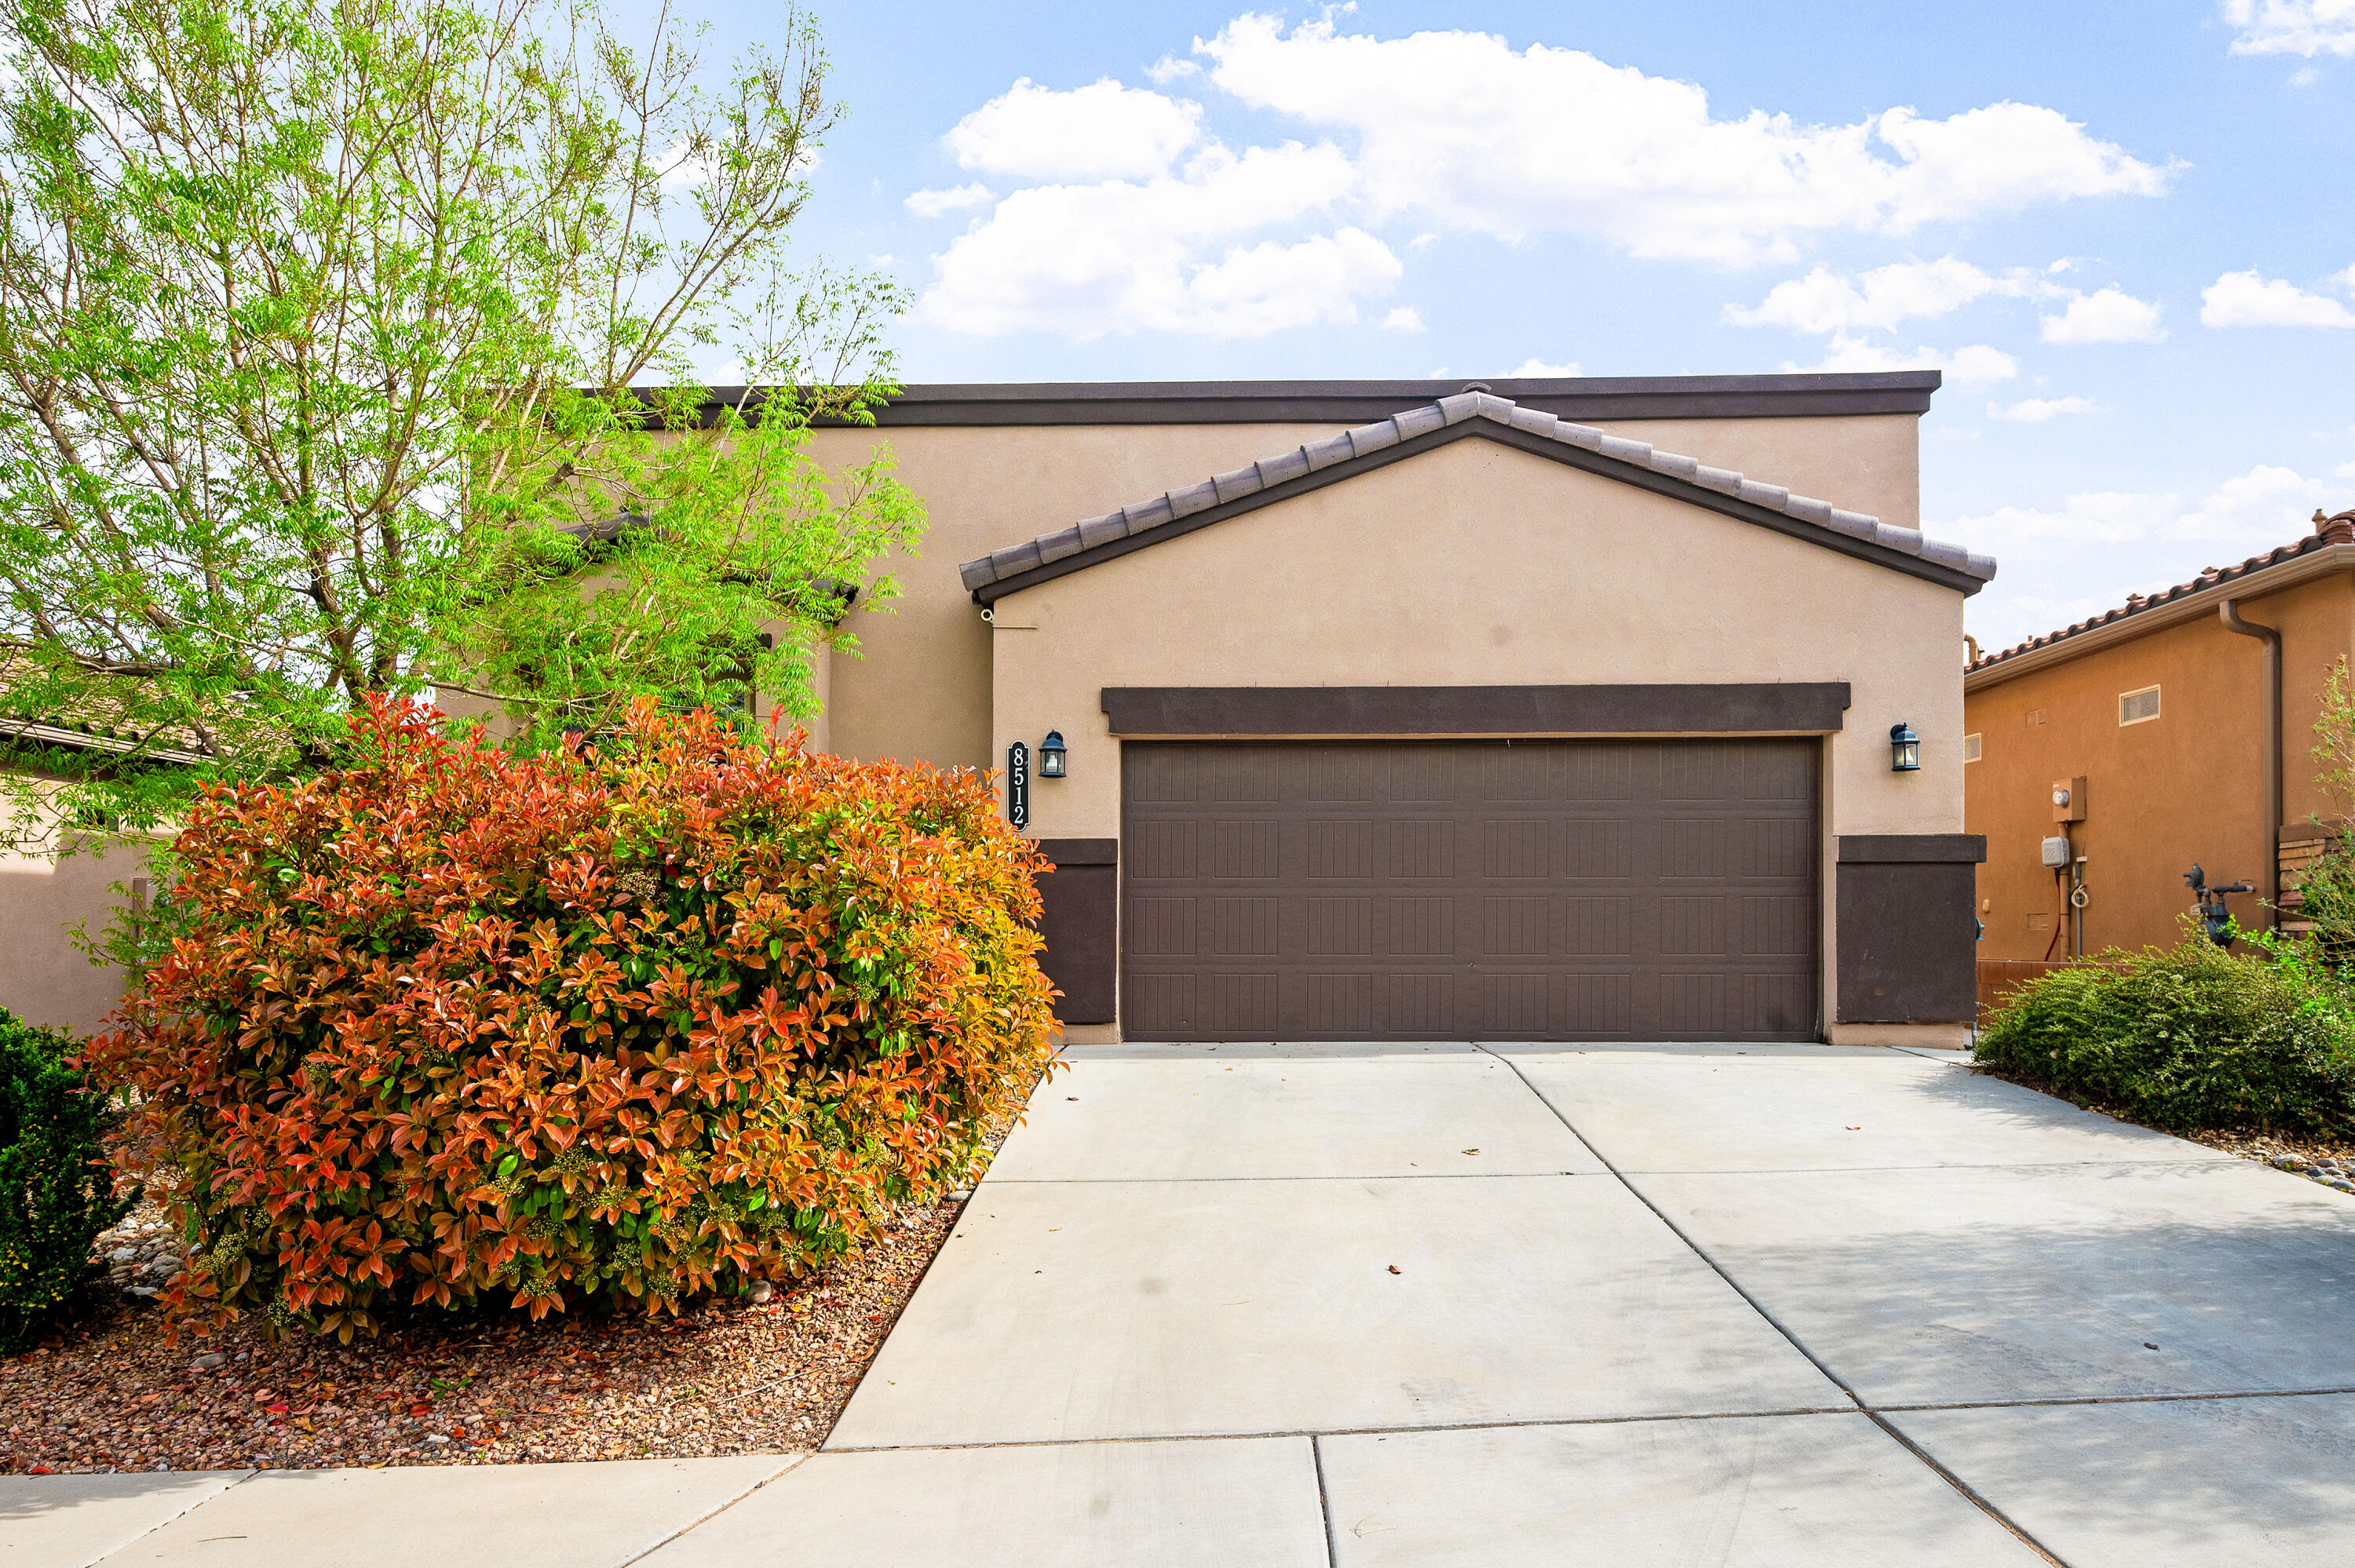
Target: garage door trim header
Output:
[{"x": 1181, "y": 713}]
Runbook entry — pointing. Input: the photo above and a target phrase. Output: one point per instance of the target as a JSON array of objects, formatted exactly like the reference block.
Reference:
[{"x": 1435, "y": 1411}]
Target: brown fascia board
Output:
[
  {"x": 1588, "y": 399},
  {"x": 1904, "y": 848},
  {"x": 1181, "y": 713},
  {"x": 2330, "y": 560},
  {"x": 1488, "y": 430}
]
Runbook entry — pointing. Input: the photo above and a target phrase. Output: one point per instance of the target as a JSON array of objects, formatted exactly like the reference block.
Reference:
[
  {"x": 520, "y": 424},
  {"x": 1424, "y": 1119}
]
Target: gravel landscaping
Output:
[
  {"x": 769, "y": 1376},
  {"x": 2324, "y": 1161}
]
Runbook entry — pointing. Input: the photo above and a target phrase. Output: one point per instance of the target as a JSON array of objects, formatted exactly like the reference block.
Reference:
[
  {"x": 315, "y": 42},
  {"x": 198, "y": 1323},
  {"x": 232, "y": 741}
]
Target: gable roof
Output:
[
  {"x": 1468, "y": 413},
  {"x": 2170, "y": 604}
]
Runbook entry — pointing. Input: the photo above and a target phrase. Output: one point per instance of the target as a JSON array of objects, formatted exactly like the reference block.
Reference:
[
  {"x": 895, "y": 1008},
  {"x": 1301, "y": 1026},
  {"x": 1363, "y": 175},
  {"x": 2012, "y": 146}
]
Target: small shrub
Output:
[
  {"x": 2326, "y": 900},
  {"x": 453, "y": 1027},
  {"x": 2191, "y": 1037},
  {"x": 53, "y": 1171}
]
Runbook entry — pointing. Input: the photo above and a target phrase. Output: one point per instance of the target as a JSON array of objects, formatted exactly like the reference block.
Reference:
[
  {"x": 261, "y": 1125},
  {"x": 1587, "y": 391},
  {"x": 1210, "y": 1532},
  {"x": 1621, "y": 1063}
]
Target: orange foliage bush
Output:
[{"x": 454, "y": 1027}]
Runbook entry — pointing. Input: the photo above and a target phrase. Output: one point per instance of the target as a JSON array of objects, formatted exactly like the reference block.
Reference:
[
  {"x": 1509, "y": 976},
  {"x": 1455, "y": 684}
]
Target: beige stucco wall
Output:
[
  {"x": 43, "y": 898},
  {"x": 919, "y": 689},
  {"x": 1478, "y": 564}
]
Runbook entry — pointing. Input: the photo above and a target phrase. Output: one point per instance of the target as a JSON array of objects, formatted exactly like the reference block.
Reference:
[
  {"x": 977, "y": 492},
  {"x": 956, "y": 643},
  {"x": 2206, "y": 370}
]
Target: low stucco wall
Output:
[
  {"x": 1474, "y": 565},
  {"x": 42, "y": 898}
]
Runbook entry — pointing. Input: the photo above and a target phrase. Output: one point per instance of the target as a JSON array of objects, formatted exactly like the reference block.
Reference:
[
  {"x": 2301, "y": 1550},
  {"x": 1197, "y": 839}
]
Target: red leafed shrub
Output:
[{"x": 455, "y": 1028}]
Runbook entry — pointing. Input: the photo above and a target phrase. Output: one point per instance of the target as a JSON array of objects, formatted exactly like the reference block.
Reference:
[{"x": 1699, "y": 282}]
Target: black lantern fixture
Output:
[
  {"x": 1050, "y": 755},
  {"x": 1904, "y": 749}
]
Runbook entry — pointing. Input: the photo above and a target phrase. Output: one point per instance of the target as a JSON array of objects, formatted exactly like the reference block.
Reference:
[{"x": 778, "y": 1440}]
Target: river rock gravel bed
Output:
[{"x": 770, "y": 1376}]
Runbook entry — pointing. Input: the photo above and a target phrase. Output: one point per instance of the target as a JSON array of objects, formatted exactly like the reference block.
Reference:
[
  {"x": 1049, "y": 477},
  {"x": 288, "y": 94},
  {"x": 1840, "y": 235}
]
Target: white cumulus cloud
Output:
[
  {"x": 2250, "y": 298},
  {"x": 1461, "y": 126},
  {"x": 1980, "y": 364},
  {"x": 2105, "y": 315},
  {"x": 2036, "y": 410},
  {"x": 1825, "y": 301},
  {"x": 1165, "y": 255},
  {"x": 2307, "y": 28},
  {"x": 1101, "y": 132},
  {"x": 1406, "y": 318},
  {"x": 1535, "y": 369},
  {"x": 1444, "y": 133},
  {"x": 956, "y": 198},
  {"x": 2266, "y": 506}
]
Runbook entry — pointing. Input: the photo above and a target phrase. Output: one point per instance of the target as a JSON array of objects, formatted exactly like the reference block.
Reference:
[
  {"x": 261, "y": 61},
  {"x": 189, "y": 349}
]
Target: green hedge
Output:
[
  {"x": 58, "y": 1189},
  {"x": 2192, "y": 1037}
]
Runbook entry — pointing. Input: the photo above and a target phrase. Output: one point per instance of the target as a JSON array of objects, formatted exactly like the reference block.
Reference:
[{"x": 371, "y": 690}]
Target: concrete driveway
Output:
[{"x": 1372, "y": 1306}]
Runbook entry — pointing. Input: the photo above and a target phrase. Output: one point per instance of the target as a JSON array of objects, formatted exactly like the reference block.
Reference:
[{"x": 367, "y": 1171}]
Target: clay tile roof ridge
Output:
[
  {"x": 2334, "y": 530},
  {"x": 1473, "y": 403}
]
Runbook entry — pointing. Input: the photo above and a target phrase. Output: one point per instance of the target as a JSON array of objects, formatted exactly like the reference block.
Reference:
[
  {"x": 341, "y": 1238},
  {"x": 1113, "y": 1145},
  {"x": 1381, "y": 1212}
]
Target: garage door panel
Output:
[
  {"x": 1243, "y": 928},
  {"x": 1341, "y": 1006},
  {"x": 1164, "y": 852},
  {"x": 1601, "y": 850},
  {"x": 1342, "y": 848},
  {"x": 1480, "y": 890},
  {"x": 1420, "y": 850},
  {"x": 1421, "y": 927},
  {"x": 1246, "y": 774},
  {"x": 1691, "y": 928},
  {"x": 1778, "y": 848},
  {"x": 1517, "y": 928},
  {"x": 1777, "y": 927},
  {"x": 1340, "y": 927},
  {"x": 1161, "y": 927},
  {"x": 1695, "y": 849},
  {"x": 1518, "y": 848},
  {"x": 1243, "y": 1005},
  {"x": 1597, "y": 928},
  {"x": 1245, "y": 851}
]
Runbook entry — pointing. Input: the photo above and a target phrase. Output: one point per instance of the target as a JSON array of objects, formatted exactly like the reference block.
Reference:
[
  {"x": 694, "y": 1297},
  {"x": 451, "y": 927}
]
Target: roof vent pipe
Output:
[{"x": 2228, "y": 612}]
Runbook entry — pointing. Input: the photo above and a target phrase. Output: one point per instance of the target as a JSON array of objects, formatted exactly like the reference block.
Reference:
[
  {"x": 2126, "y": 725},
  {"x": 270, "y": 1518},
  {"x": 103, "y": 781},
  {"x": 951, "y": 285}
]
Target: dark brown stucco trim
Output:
[
  {"x": 1899, "y": 849},
  {"x": 1195, "y": 712},
  {"x": 1080, "y": 851},
  {"x": 1080, "y": 919},
  {"x": 1485, "y": 429},
  {"x": 1907, "y": 940},
  {"x": 1585, "y": 398}
]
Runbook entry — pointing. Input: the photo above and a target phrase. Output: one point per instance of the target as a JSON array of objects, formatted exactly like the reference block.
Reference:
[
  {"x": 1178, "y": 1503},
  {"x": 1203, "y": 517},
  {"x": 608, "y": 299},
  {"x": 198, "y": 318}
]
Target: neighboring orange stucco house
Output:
[{"x": 2186, "y": 754}]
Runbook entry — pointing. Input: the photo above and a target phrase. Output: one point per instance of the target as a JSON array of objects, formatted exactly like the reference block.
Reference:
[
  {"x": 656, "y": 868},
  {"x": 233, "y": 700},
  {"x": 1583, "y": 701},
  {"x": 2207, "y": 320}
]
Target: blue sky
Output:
[{"x": 2128, "y": 233}]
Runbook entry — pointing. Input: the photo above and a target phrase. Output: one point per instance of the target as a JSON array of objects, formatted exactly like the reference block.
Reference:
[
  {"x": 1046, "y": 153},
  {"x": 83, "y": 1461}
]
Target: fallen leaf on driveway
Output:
[{"x": 1394, "y": 1268}]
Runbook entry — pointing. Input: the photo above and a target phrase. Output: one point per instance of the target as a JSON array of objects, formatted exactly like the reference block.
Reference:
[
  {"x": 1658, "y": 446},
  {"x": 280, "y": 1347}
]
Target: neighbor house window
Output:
[
  {"x": 2135, "y": 707},
  {"x": 1970, "y": 748}
]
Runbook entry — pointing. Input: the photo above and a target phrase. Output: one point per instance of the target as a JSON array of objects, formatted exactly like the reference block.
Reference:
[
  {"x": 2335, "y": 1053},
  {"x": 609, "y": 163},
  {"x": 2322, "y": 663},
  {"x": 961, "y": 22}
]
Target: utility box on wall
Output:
[
  {"x": 2069, "y": 800},
  {"x": 1908, "y": 932}
]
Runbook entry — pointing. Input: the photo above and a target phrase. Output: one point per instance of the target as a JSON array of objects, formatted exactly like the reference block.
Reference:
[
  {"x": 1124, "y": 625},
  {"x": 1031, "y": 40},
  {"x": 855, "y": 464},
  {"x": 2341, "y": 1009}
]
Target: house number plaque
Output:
[{"x": 1018, "y": 784}]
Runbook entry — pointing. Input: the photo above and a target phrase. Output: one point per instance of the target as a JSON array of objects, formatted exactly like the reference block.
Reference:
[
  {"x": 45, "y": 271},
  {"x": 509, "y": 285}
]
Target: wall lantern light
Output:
[
  {"x": 1050, "y": 755},
  {"x": 1904, "y": 749}
]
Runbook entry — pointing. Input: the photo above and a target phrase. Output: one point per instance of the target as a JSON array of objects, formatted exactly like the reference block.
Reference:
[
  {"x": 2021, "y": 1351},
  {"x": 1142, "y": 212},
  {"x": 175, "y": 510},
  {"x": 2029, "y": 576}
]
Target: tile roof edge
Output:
[
  {"x": 1476, "y": 403},
  {"x": 2328, "y": 531}
]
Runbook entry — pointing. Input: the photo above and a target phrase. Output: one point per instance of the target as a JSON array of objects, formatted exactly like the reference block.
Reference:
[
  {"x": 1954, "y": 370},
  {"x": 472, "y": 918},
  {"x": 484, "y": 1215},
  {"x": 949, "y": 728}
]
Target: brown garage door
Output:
[{"x": 1518, "y": 890}]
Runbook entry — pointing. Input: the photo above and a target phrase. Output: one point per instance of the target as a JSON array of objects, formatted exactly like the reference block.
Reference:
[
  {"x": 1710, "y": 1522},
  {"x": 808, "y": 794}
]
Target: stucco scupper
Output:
[{"x": 1361, "y": 446}]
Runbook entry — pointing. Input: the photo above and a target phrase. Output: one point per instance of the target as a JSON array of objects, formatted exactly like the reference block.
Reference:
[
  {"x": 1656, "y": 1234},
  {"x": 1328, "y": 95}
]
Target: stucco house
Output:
[
  {"x": 1530, "y": 709},
  {"x": 2181, "y": 726}
]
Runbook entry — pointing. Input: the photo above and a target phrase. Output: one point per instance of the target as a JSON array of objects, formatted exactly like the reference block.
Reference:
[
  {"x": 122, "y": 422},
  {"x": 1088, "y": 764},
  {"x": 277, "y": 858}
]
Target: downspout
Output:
[{"x": 2230, "y": 613}]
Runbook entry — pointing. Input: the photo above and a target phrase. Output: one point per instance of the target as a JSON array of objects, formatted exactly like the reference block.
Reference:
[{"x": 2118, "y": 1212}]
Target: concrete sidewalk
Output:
[{"x": 1362, "y": 1307}]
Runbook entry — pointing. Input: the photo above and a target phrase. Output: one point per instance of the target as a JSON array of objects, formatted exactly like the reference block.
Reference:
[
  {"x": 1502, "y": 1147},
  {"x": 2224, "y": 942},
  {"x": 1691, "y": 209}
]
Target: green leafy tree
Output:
[{"x": 325, "y": 331}]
